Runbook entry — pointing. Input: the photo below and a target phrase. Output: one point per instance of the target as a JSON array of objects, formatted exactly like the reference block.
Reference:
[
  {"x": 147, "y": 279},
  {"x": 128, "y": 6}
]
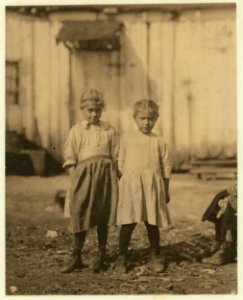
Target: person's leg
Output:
[
  {"x": 102, "y": 234},
  {"x": 153, "y": 235},
  {"x": 219, "y": 236},
  {"x": 227, "y": 252},
  {"x": 124, "y": 240},
  {"x": 125, "y": 237},
  {"x": 75, "y": 262},
  {"x": 229, "y": 224}
]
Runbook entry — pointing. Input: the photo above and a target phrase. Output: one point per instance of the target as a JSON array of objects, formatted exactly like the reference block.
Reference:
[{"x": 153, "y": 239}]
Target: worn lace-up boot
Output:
[
  {"x": 121, "y": 264},
  {"x": 215, "y": 246},
  {"x": 226, "y": 254},
  {"x": 124, "y": 240},
  {"x": 74, "y": 263},
  {"x": 155, "y": 261},
  {"x": 99, "y": 263}
]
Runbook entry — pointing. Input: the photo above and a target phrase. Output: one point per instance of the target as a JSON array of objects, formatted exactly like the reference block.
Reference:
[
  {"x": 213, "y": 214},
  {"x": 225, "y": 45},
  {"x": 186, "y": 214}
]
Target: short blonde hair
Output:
[
  {"x": 146, "y": 105},
  {"x": 94, "y": 96}
]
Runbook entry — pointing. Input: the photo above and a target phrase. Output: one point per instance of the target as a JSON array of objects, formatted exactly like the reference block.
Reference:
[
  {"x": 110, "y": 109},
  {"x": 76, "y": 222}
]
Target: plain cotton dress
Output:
[
  {"x": 93, "y": 192},
  {"x": 144, "y": 160}
]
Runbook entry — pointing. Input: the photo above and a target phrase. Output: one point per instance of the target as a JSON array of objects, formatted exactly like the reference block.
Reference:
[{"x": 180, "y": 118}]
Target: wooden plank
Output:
[
  {"x": 55, "y": 147},
  {"x": 166, "y": 81},
  {"x": 198, "y": 106},
  {"x": 13, "y": 118},
  {"x": 86, "y": 72},
  {"x": 112, "y": 87},
  {"x": 137, "y": 61},
  {"x": 230, "y": 92},
  {"x": 182, "y": 92},
  {"x": 134, "y": 81},
  {"x": 26, "y": 79},
  {"x": 215, "y": 173},
  {"x": 13, "y": 45},
  {"x": 72, "y": 16},
  {"x": 42, "y": 80},
  {"x": 213, "y": 170},
  {"x": 161, "y": 77},
  {"x": 217, "y": 38},
  {"x": 215, "y": 162},
  {"x": 13, "y": 37},
  {"x": 230, "y": 107},
  {"x": 126, "y": 107},
  {"x": 98, "y": 70},
  {"x": 64, "y": 87},
  {"x": 155, "y": 69},
  {"x": 78, "y": 84}
]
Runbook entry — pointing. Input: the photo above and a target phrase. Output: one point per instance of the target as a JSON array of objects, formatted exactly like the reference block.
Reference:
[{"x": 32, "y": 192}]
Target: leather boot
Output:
[
  {"x": 121, "y": 264},
  {"x": 226, "y": 254},
  {"x": 155, "y": 262},
  {"x": 74, "y": 263},
  {"x": 215, "y": 247},
  {"x": 99, "y": 263}
]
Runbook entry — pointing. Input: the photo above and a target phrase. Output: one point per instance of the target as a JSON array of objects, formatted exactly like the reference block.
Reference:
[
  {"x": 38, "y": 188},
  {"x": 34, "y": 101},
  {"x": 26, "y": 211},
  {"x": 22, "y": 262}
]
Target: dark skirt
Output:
[
  {"x": 93, "y": 195},
  {"x": 212, "y": 210},
  {"x": 228, "y": 220}
]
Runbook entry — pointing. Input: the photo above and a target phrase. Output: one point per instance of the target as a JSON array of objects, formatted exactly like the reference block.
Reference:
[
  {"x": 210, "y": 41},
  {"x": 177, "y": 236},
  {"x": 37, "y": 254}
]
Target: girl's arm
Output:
[
  {"x": 166, "y": 168},
  {"x": 121, "y": 157},
  {"x": 70, "y": 151},
  {"x": 114, "y": 145},
  {"x": 167, "y": 194},
  {"x": 114, "y": 150}
]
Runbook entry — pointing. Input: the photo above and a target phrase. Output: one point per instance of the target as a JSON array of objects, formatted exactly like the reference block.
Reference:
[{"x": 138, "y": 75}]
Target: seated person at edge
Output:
[{"x": 222, "y": 211}]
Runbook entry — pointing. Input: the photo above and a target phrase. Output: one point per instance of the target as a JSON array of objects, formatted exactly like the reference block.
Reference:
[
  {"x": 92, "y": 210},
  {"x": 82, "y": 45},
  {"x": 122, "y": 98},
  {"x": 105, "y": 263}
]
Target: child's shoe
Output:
[
  {"x": 215, "y": 246},
  {"x": 99, "y": 263},
  {"x": 121, "y": 264},
  {"x": 155, "y": 262},
  {"x": 74, "y": 263},
  {"x": 226, "y": 254}
]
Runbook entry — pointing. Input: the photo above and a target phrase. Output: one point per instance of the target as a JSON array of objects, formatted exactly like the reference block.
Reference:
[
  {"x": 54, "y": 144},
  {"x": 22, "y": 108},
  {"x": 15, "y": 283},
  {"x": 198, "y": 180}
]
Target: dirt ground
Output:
[{"x": 33, "y": 260}]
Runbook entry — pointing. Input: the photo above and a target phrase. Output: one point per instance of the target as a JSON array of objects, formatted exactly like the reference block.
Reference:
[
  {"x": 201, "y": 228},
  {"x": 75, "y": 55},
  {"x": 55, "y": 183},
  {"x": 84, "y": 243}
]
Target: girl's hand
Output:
[
  {"x": 71, "y": 172},
  {"x": 167, "y": 197}
]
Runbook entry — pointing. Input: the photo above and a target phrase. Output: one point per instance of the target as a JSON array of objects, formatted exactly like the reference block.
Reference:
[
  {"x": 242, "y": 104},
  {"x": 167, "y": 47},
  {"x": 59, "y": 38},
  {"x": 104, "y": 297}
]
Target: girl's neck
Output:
[{"x": 145, "y": 133}]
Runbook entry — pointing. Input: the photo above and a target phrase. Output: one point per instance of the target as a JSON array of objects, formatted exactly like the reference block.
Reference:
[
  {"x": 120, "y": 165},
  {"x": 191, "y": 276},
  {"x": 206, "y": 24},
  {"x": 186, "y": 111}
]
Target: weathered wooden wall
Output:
[
  {"x": 44, "y": 80},
  {"x": 186, "y": 62}
]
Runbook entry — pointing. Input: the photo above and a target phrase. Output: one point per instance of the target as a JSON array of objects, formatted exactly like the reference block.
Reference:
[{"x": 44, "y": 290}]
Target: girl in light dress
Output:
[
  {"x": 144, "y": 162},
  {"x": 89, "y": 156}
]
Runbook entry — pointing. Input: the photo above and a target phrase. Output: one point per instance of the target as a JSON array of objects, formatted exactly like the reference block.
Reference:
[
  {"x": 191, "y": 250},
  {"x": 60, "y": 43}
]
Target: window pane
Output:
[{"x": 12, "y": 88}]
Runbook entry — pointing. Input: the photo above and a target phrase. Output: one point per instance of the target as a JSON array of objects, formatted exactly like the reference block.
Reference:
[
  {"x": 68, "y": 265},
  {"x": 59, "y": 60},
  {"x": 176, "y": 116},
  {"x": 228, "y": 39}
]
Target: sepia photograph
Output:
[{"x": 121, "y": 149}]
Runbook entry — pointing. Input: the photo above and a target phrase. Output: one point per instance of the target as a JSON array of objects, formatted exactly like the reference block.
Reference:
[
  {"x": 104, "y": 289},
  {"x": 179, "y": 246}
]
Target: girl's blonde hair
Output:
[
  {"x": 147, "y": 105},
  {"x": 94, "y": 96}
]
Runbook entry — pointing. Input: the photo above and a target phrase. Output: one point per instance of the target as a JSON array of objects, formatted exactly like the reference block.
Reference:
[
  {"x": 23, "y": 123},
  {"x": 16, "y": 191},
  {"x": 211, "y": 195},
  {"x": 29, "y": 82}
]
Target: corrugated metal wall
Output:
[{"x": 187, "y": 64}]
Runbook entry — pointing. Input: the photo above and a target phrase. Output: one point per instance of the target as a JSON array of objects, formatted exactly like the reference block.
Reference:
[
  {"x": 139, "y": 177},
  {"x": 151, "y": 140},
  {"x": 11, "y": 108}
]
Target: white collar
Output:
[{"x": 103, "y": 125}]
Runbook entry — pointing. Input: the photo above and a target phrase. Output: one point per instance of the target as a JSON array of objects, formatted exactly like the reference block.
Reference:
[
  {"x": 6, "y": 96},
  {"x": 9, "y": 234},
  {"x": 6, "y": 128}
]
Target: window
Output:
[{"x": 12, "y": 83}]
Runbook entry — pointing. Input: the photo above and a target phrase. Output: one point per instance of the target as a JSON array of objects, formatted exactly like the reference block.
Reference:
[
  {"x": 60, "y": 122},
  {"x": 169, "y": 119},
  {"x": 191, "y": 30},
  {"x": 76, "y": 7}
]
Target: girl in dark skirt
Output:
[{"x": 90, "y": 156}]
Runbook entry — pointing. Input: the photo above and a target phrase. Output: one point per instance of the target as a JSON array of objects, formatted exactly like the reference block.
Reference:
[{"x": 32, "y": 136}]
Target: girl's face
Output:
[
  {"x": 92, "y": 112},
  {"x": 145, "y": 121}
]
